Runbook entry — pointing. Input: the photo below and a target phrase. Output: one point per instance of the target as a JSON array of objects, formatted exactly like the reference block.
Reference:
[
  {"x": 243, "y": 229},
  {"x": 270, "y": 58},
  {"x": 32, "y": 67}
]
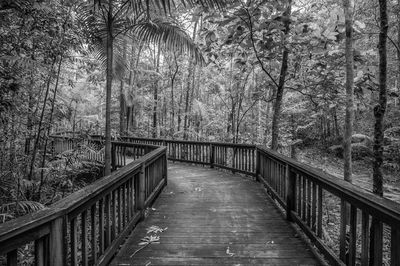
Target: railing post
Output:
[
  {"x": 142, "y": 190},
  {"x": 257, "y": 165},
  {"x": 212, "y": 155},
  {"x": 165, "y": 169},
  {"x": 291, "y": 192},
  {"x": 57, "y": 244}
]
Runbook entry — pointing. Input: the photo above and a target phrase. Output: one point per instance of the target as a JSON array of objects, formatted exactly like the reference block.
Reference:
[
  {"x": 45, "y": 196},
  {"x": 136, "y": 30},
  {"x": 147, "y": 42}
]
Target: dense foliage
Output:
[{"x": 269, "y": 72}]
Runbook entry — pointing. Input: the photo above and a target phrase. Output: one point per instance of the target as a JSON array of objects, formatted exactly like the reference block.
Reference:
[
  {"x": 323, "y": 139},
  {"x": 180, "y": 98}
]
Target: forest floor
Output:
[{"x": 362, "y": 171}]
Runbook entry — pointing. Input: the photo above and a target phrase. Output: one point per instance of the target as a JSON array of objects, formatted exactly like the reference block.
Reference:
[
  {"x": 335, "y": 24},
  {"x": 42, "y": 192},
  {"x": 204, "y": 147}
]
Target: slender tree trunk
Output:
[
  {"x": 282, "y": 78},
  {"x": 398, "y": 46},
  {"x": 110, "y": 39},
  {"x": 122, "y": 102},
  {"x": 39, "y": 131},
  {"x": 188, "y": 90},
  {"x": 379, "y": 113},
  {"x": 155, "y": 95},
  {"x": 348, "y": 125},
  {"x": 172, "y": 125},
  {"x": 180, "y": 110},
  {"x": 49, "y": 126}
]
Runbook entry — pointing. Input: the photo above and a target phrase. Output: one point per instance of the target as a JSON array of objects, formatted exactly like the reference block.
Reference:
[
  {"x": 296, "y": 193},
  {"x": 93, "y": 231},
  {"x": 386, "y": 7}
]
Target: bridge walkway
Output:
[{"x": 210, "y": 217}]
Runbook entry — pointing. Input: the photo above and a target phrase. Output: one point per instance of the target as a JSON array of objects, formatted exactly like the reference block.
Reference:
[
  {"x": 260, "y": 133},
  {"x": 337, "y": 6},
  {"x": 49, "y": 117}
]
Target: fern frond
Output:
[{"x": 166, "y": 33}]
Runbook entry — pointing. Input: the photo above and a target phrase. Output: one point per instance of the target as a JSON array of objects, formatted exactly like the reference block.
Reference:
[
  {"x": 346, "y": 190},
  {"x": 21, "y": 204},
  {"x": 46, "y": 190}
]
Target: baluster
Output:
[
  {"x": 119, "y": 206},
  {"x": 320, "y": 211},
  {"x": 377, "y": 237},
  {"x": 395, "y": 246},
  {"x": 84, "y": 238},
  {"x": 314, "y": 207},
  {"x": 343, "y": 224},
  {"x": 12, "y": 258},
  {"x": 41, "y": 249},
  {"x": 353, "y": 236},
  {"x": 113, "y": 215},
  {"x": 124, "y": 203},
  {"x": 93, "y": 221},
  {"x": 107, "y": 210},
  {"x": 309, "y": 202},
  {"x": 304, "y": 212},
  {"x": 299, "y": 201},
  {"x": 291, "y": 193},
  {"x": 74, "y": 241},
  {"x": 101, "y": 227}
]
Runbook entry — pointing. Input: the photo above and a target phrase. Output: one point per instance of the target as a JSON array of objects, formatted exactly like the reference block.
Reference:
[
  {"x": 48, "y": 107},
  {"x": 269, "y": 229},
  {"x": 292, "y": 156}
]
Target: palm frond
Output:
[{"x": 166, "y": 33}]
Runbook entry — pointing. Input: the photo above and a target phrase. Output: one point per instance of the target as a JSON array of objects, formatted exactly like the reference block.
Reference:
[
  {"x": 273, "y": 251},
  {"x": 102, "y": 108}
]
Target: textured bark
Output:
[
  {"x": 398, "y": 46},
  {"x": 380, "y": 108},
  {"x": 282, "y": 78},
  {"x": 379, "y": 113},
  {"x": 348, "y": 124},
  {"x": 110, "y": 39}
]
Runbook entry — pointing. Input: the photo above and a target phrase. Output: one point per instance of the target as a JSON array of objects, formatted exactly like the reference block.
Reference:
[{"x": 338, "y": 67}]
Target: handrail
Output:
[
  {"x": 95, "y": 219},
  {"x": 302, "y": 193}
]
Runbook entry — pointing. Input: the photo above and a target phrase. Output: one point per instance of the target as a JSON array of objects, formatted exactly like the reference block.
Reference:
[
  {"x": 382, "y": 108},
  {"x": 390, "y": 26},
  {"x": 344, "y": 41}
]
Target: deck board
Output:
[{"x": 214, "y": 217}]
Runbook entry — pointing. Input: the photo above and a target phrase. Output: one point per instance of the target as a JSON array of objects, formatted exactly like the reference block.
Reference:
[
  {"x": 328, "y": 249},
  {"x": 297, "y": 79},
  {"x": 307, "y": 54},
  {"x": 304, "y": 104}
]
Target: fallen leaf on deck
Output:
[
  {"x": 228, "y": 252},
  {"x": 155, "y": 229}
]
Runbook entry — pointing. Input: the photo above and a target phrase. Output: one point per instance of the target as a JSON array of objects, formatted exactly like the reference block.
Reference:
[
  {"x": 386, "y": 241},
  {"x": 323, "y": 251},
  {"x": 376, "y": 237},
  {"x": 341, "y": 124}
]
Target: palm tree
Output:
[{"x": 108, "y": 20}]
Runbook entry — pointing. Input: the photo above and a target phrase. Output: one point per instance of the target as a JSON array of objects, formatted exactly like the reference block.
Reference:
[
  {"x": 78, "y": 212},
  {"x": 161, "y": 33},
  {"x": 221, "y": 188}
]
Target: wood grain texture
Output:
[{"x": 213, "y": 217}]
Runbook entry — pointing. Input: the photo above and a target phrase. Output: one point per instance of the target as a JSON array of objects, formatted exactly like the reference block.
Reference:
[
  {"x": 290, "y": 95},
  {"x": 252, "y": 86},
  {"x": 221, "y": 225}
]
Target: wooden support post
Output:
[
  {"x": 258, "y": 165},
  {"x": 212, "y": 155},
  {"x": 141, "y": 198},
  {"x": 291, "y": 192},
  {"x": 57, "y": 245},
  {"x": 165, "y": 160}
]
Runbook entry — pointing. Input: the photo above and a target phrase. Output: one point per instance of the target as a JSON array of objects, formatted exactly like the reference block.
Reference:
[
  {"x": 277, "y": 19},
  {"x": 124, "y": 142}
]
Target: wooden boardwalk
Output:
[{"x": 212, "y": 217}]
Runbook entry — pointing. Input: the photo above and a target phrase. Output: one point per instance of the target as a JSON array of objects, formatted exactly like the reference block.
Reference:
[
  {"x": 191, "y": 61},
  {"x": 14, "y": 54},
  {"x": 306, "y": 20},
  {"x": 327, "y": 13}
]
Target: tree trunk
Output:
[
  {"x": 379, "y": 113},
  {"x": 348, "y": 124},
  {"x": 172, "y": 125},
  {"x": 110, "y": 39},
  {"x": 122, "y": 102},
  {"x": 188, "y": 90},
  {"x": 180, "y": 110},
  {"x": 282, "y": 79},
  {"x": 155, "y": 95},
  {"x": 380, "y": 108},
  {"x": 398, "y": 46}
]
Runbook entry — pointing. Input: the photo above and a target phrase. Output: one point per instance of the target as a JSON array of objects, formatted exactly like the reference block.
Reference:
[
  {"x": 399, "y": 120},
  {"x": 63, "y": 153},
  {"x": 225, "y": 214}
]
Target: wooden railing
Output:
[
  {"x": 88, "y": 226},
  {"x": 338, "y": 217}
]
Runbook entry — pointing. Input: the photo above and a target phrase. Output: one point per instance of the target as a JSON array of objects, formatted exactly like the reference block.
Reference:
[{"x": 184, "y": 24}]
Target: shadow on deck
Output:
[{"x": 214, "y": 217}]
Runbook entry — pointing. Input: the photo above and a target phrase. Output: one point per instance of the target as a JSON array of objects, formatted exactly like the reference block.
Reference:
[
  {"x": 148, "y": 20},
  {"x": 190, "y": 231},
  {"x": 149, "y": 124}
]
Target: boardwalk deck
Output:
[{"x": 213, "y": 217}]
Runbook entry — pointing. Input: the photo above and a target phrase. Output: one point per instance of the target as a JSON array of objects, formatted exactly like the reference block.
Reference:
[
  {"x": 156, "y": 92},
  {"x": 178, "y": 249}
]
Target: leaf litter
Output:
[{"x": 152, "y": 237}]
